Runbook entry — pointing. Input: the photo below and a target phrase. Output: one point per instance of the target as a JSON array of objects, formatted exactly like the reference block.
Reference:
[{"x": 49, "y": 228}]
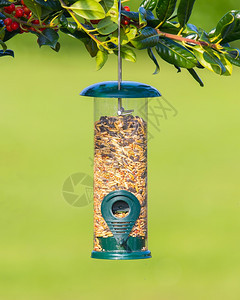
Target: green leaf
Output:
[
  {"x": 196, "y": 77},
  {"x": 148, "y": 37},
  {"x": 234, "y": 52},
  {"x": 88, "y": 9},
  {"x": 34, "y": 7},
  {"x": 91, "y": 47},
  {"x": 48, "y": 37},
  {"x": 106, "y": 26},
  {"x": 111, "y": 9},
  {"x": 2, "y": 33},
  {"x": 142, "y": 16},
  {"x": 127, "y": 54},
  {"x": 52, "y": 5},
  {"x": 4, "y": 46},
  {"x": 235, "y": 33},
  {"x": 77, "y": 34},
  {"x": 6, "y": 53},
  {"x": 4, "y": 3},
  {"x": 127, "y": 34},
  {"x": 226, "y": 63},
  {"x": 149, "y": 4},
  {"x": 235, "y": 61},
  {"x": 131, "y": 15},
  {"x": 169, "y": 27},
  {"x": 101, "y": 59},
  {"x": 175, "y": 54},
  {"x": 178, "y": 69},
  {"x": 9, "y": 35},
  {"x": 57, "y": 47},
  {"x": 184, "y": 11},
  {"x": 224, "y": 26},
  {"x": 165, "y": 9},
  {"x": 153, "y": 58},
  {"x": 209, "y": 60}
]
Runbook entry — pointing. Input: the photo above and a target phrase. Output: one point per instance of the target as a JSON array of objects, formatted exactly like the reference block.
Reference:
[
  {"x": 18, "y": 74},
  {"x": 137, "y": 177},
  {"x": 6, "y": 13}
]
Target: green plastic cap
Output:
[{"x": 129, "y": 89}]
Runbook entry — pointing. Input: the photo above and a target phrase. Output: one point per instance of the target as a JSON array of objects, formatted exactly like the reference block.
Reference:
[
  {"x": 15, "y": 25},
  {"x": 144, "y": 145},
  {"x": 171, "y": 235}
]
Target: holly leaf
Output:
[
  {"x": 142, "y": 16},
  {"x": 48, "y": 37},
  {"x": 224, "y": 27},
  {"x": 101, "y": 59},
  {"x": 88, "y": 9},
  {"x": 195, "y": 76},
  {"x": 149, "y": 4},
  {"x": 232, "y": 55},
  {"x": 111, "y": 9},
  {"x": 153, "y": 58},
  {"x": 52, "y": 5},
  {"x": 235, "y": 61},
  {"x": 34, "y": 7},
  {"x": 4, "y": 46},
  {"x": 126, "y": 35},
  {"x": 77, "y": 34},
  {"x": 127, "y": 54},
  {"x": 165, "y": 9},
  {"x": 6, "y": 53},
  {"x": 91, "y": 47},
  {"x": 148, "y": 37},
  {"x": 131, "y": 15},
  {"x": 209, "y": 60},
  {"x": 4, "y": 3},
  {"x": 234, "y": 34},
  {"x": 175, "y": 54},
  {"x": 106, "y": 26},
  {"x": 184, "y": 11},
  {"x": 57, "y": 47}
]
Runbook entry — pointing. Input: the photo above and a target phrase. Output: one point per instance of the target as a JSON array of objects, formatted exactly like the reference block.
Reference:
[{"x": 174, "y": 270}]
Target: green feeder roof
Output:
[{"x": 129, "y": 89}]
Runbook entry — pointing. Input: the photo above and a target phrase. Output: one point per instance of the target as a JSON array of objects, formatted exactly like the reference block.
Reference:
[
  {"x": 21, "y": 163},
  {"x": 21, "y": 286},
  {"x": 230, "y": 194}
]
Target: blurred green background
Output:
[{"x": 194, "y": 169}]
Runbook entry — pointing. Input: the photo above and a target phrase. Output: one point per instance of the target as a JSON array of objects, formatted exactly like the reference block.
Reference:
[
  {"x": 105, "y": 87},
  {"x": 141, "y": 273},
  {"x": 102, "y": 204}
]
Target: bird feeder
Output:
[{"x": 120, "y": 168}]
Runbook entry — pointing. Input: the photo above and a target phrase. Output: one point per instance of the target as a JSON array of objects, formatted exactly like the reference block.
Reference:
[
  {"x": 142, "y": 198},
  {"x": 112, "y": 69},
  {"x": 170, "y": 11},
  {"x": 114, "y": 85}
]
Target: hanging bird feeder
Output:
[
  {"x": 120, "y": 169},
  {"x": 120, "y": 166}
]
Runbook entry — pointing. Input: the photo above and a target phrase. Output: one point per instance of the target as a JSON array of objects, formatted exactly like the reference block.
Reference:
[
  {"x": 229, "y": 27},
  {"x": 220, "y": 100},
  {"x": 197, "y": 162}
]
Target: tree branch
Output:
[{"x": 183, "y": 39}]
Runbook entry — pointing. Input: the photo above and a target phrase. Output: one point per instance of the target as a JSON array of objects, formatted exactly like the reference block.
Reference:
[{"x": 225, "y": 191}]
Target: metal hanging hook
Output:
[{"x": 121, "y": 111}]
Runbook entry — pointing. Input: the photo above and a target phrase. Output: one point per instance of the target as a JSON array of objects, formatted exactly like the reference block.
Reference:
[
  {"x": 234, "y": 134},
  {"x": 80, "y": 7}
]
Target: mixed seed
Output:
[{"x": 120, "y": 163}]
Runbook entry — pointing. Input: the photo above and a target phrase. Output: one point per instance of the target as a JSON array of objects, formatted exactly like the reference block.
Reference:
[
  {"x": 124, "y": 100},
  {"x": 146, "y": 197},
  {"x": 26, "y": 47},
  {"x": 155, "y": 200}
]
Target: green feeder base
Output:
[{"x": 114, "y": 255}]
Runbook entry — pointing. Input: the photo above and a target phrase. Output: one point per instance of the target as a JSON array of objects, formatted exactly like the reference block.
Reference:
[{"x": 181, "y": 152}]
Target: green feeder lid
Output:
[{"x": 129, "y": 89}]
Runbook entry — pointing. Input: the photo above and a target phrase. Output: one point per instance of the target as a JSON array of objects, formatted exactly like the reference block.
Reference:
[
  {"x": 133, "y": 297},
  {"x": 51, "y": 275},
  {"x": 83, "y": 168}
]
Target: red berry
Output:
[
  {"x": 9, "y": 28},
  {"x": 22, "y": 2},
  {"x": 36, "y": 22},
  {"x": 11, "y": 7},
  {"x": 19, "y": 12},
  {"x": 14, "y": 25},
  {"x": 6, "y": 9},
  {"x": 7, "y": 21},
  {"x": 127, "y": 8},
  {"x": 26, "y": 10},
  {"x": 95, "y": 21},
  {"x": 125, "y": 21}
]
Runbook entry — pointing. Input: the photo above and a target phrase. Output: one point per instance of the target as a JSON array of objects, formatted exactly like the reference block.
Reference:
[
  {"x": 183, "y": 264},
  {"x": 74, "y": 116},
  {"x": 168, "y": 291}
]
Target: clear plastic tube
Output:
[{"x": 120, "y": 161}]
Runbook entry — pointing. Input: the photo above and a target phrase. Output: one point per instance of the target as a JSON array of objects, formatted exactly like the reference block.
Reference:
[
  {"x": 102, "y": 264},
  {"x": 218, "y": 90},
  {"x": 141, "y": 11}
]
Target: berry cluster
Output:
[
  {"x": 20, "y": 13},
  {"x": 125, "y": 20}
]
